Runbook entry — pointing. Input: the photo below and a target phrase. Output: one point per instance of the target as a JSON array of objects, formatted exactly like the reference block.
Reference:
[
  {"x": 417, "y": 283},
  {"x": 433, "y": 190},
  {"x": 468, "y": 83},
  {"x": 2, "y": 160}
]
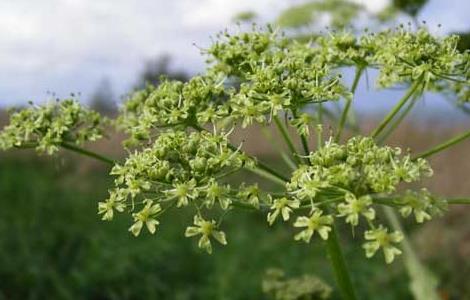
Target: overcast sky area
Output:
[{"x": 69, "y": 46}]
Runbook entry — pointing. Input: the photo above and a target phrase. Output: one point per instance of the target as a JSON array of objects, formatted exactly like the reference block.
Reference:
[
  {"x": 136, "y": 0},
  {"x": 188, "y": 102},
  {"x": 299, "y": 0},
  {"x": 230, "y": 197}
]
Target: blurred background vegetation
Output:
[{"x": 54, "y": 246}]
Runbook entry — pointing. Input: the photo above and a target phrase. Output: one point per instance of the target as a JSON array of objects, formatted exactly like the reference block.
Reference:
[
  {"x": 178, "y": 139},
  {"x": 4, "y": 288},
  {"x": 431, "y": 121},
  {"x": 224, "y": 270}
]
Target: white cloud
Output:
[
  {"x": 69, "y": 45},
  {"x": 374, "y": 6}
]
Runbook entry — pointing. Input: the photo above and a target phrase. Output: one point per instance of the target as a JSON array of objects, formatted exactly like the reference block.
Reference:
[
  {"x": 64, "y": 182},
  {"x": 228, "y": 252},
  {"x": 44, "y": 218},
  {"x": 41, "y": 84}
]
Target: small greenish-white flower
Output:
[
  {"x": 215, "y": 191},
  {"x": 302, "y": 124},
  {"x": 309, "y": 187},
  {"x": 183, "y": 192},
  {"x": 418, "y": 203},
  {"x": 245, "y": 108},
  {"x": 284, "y": 207},
  {"x": 278, "y": 103},
  {"x": 250, "y": 194},
  {"x": 316, "y": 222},
  {"x": 206, "y": 229},
  {"x": 137, "y": 185},
  {"x": 108, "y": 206},
  {"x": 146, "y": 216},
  {"x": 354, "y": 207},
  {"x": 381, "y": 238}
]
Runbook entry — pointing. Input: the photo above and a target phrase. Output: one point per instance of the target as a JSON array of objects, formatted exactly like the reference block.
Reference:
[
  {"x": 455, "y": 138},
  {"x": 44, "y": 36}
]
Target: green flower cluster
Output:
[
  {"x": 461, "y": 87},
  {"x": 181, "y": 169},
  {"x": 359, "y": 166},
  {"x": 47, "y": 127},
  {"x": 274, "y": 75},
  {"x": 256, "y": 75},
  {"x": 345, "y": 181},
  {"x": 173, "y": 104},
  {"x": 253, "y": 77},
  {"x": 405, "y": 57},
  {"x": 421, "y": 204},
  {"x": 343, "y": 49},
  {"x": 401, "y": 56}
]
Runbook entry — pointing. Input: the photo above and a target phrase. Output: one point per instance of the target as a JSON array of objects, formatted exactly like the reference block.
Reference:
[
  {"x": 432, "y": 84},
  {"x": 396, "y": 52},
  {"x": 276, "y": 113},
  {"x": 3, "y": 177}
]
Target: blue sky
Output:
[{"x": 68, "y": 46}]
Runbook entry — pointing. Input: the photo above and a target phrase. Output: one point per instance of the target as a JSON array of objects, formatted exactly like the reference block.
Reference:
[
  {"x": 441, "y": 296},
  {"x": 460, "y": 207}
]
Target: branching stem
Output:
[
  {"x": 287, "y": 138},
  {"x": 397, "y": 122},
  {"x": 88, "y": 153},
  {"x": 388, "y": 118},
  {"x": 344, "y": 116},
  {"x": 453, "y": 141}
]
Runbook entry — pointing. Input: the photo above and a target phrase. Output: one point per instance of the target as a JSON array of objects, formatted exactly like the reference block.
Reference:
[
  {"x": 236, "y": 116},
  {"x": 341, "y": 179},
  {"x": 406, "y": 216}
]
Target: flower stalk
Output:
[
  {"x": 286, "y": 136},
  {"x": 340, "y": 269},
  {"x": 87, "y": 153},
  {"x": 389, "y": 117},
  {"x": 347, "y": 107},
  {"x": 445, "y": 145}
]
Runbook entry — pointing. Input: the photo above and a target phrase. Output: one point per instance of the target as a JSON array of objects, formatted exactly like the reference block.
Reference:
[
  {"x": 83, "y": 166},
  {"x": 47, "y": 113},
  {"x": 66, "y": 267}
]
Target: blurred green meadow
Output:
[{"x": 53, "y": 244}]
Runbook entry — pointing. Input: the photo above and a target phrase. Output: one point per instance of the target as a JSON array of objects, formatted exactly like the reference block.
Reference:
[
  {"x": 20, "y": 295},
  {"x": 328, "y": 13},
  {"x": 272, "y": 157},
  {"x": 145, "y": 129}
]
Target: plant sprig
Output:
[{"x": 180, "y": 151}]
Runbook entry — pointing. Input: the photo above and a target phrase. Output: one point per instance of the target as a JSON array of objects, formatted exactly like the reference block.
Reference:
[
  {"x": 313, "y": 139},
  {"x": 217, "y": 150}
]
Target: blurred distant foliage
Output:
[
  {"x": 103, "y": 99},
  {"x": 464, "y": 41},
  {"x": 306, "y": 287},
  {"x": 410, "y": 7},
  {"x": 156, "y": 69},
  {"x": 341, "y": 12},
  {"x": 245, "y": 16}
]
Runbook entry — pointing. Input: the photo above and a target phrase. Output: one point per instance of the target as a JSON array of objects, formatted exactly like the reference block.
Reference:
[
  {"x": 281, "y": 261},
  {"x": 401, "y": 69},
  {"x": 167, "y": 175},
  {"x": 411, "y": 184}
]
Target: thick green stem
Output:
[
  {"x": 339, "y": 266},
  {"x": 287, "y": 138},
  {"x": 347, "y": 107},
  {"x": 453, "y": 141},
  {"x": 88, "y": 153},
  {"x": 413, "y": 88}
]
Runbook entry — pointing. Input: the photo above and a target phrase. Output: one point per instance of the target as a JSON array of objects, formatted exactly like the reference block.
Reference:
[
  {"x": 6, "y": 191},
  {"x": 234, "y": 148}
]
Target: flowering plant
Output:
[{"x": 181, "y": 153}]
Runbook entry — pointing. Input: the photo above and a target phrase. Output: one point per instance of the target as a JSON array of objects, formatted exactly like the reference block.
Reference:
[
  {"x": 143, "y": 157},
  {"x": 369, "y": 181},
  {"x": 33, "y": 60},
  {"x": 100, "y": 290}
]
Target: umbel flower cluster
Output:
[
  {"x": 181, "y": 153},
  {"x": 400, "y": 56},
  {"x": 180, "y": 170},
  {"x": 347, "y": 181},
  {"x": 47, "y": 127}
]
